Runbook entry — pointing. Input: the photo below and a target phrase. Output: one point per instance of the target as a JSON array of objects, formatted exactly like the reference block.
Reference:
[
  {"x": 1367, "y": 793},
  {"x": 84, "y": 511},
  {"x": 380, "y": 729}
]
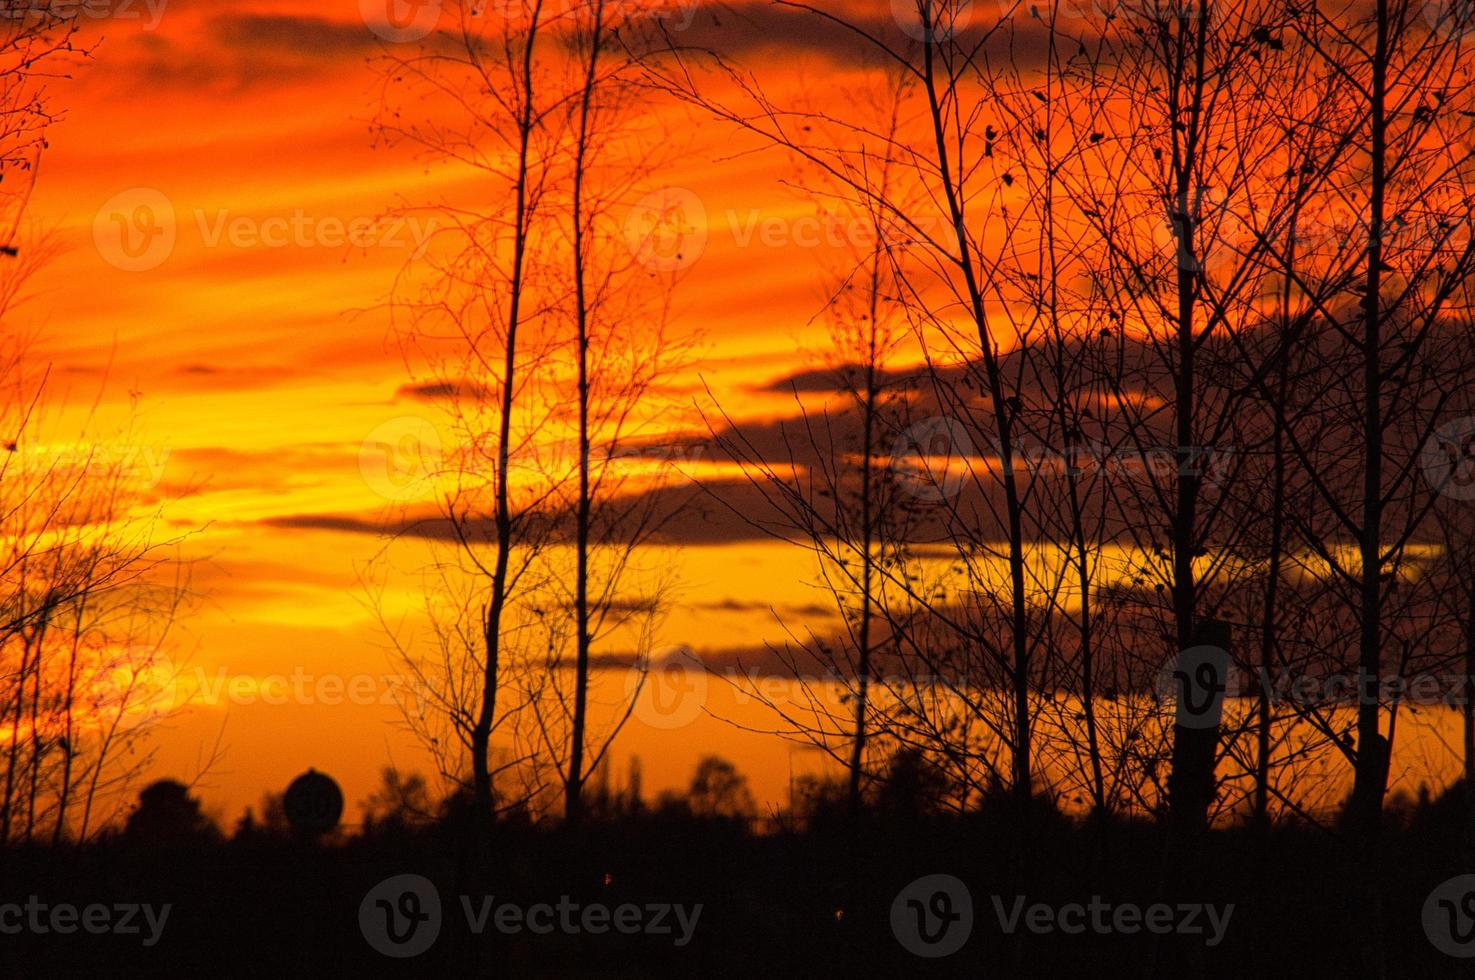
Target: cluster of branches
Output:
[
  {"x": 88, "y": 597},
  {"x": 1231, "y": 239},
  {"x": 545, "y": 342},
  {"x": 87, "y": 594}
]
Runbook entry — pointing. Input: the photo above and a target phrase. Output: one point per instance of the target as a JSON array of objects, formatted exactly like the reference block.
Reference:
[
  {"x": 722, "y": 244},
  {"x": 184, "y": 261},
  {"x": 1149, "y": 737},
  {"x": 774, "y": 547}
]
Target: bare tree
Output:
[
  {"x": 38, "y": 45},
  {"x": 622, "y": 357},
  {"x": 87, "y": 597},
  {"x": 476, "y": 313},
  {"x": 87, "y": 592},
  {"x": 546, "y": 338},
  {"x": 1404, "y": 196},
  {"x": 829, "y": 488},
  {"x": 948, "y": 197}
]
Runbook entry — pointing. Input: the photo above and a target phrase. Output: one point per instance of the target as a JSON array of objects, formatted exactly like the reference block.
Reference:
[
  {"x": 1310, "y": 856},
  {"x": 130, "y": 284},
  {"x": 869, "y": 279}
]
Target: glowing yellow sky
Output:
[{"x": 257, "y": 369}]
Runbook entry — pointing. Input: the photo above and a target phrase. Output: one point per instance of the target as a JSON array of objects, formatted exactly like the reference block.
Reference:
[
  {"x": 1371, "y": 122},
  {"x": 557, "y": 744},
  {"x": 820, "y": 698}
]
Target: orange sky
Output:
[
  {"x": 246, "y": 348},
  {"x": 213, "y": 158}
]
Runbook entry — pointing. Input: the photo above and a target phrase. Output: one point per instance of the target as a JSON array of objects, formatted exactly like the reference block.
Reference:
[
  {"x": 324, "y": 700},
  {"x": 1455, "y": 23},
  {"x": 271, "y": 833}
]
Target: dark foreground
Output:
[{"x": 619, "y": 898}]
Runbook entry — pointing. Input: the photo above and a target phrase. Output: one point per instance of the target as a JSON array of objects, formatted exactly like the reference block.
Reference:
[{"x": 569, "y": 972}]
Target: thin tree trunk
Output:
[
  {"x": 1185, "y": 516},
  {"x": 482, "y": 731},
  {"x": 1019, "y": 672},
  {"x": 868, "y": 543},
  {"x": 1372, "y": 749},
  {"x": 1269, "y": 612},
  {"x": 573, "y": 794}
]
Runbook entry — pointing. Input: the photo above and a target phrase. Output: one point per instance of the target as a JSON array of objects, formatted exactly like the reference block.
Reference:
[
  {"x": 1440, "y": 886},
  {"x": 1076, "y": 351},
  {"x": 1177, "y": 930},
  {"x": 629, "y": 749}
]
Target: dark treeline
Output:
[{"x": 791, "y": 902}]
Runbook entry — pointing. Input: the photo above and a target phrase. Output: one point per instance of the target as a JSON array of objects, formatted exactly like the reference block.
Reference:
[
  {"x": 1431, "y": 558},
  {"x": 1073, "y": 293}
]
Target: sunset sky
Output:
[
  {"x": 914, "y": 479},
  {"x": 246, "y": 352},
  {"x": 228, "y": 233}
]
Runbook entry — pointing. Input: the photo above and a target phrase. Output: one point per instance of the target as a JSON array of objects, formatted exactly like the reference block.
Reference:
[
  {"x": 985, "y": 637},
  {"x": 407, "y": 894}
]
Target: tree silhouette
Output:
[{"x": 168, "y": 814}]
